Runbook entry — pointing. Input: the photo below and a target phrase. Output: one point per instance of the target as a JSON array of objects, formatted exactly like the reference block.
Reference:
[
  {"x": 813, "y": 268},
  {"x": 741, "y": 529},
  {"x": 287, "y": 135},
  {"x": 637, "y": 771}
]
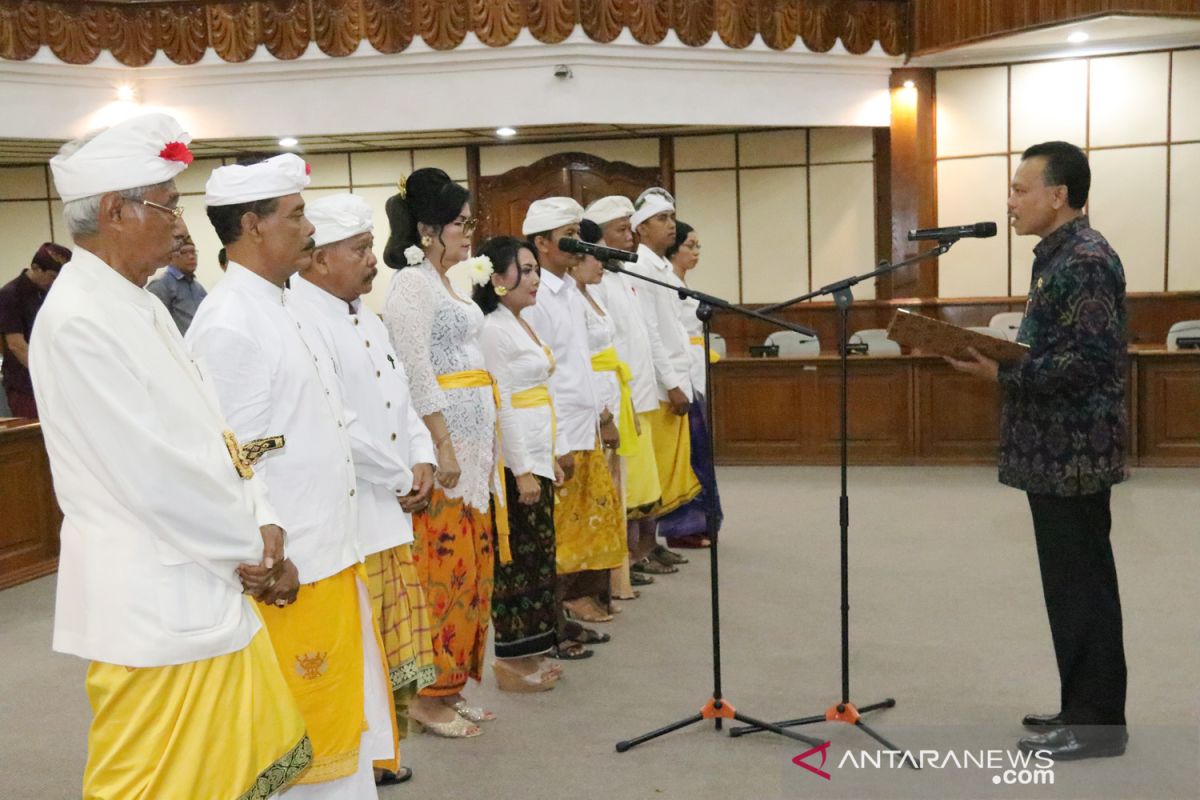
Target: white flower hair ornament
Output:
[
  {"x": 414, "y": 255},
  {"x": 479, "y": 268}
]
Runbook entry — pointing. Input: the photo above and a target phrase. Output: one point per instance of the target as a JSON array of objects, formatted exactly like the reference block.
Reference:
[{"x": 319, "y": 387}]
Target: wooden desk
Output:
[
  {"x": 918, "y": 410},
  {"x": 1168, "y": 408},
  {"x": 31, "y": 518}
]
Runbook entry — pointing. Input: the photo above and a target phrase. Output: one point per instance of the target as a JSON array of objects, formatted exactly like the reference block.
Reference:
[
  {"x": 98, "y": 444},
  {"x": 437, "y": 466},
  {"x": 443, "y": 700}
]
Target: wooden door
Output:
[{"x": 503, "y": 200}]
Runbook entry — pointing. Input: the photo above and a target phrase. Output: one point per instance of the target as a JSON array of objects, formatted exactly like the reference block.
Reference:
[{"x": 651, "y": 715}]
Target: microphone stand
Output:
[
  {"x": 845, "y": 711},
  {"x": 717, "y": 708}
]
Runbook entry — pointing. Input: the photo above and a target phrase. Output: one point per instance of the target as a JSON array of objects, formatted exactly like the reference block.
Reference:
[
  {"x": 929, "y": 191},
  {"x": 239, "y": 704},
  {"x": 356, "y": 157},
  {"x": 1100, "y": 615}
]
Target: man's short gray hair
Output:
[{"x": 83, "y": 215}]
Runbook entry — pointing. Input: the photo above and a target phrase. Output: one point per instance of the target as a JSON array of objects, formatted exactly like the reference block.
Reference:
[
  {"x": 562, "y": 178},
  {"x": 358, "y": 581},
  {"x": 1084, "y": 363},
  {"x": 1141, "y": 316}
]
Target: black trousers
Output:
[{"x": 1079, "y": 580}]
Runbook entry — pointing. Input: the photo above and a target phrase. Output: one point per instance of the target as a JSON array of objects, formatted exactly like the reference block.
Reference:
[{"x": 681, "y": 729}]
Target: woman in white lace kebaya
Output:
[{"x": 436, "y": 334}]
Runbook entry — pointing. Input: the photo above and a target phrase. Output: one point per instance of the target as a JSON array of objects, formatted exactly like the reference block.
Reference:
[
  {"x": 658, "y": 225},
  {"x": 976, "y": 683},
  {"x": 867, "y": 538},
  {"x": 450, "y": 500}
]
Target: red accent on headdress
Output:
[
  {"x": 176, "y": 151},
  {"x": 307, "y": 168}
]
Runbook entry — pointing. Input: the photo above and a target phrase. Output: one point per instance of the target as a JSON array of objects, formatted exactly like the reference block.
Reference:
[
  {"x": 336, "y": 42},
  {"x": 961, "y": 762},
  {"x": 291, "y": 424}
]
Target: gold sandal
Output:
[{"x": 458, "y": 729}]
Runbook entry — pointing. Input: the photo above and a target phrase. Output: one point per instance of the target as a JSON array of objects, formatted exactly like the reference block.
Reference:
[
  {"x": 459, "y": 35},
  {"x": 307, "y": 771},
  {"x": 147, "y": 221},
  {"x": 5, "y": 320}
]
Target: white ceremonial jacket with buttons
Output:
[
  {"x": 386, "y": 435},
  {"x": 558, "y": 320},
  {"x": 660, "y": 311},
  {"x": 155, "y": 516},
  {"x": 275, "y": 376},
  {"x": 619, "y": 298}
]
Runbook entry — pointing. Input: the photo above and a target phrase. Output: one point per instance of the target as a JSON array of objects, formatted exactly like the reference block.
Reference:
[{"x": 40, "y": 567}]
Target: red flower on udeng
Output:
[{"x": 176, "y": 151}]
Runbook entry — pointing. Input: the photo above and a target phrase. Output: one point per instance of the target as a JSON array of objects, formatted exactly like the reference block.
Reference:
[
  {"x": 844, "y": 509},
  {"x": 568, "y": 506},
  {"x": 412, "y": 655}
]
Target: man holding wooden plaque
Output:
[{"x": 1062, "y": 441}]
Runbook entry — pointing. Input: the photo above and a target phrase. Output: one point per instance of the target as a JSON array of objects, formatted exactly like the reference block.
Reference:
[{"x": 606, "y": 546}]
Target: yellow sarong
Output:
[
  {"x": 713, "y": 355},
  {"x": 222, "y": 727},
  {"x": 607, "y": 361},
  {"x": 642, "y": 486},
  {"x": 673, "y": 456},
  {"x": 318, "y": 641},
  {"x": 589, "y": 527},
  {"x": 476, "y": 379}
]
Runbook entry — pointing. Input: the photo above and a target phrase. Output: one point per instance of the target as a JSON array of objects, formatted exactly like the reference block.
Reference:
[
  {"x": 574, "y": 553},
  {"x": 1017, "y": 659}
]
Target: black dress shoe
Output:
[
  {"x": 1042, "y": 721},
  {"x": 389, "y": 778},
  {"x": 1062, "y": 744}
]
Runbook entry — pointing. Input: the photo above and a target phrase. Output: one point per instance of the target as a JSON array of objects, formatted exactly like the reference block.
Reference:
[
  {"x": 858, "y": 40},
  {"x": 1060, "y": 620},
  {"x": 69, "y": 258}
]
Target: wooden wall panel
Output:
[
  {"x": 30, "y": 523},
  {"x": 917, "y": 410},
  {"x": 135, "y": 31},
  {"x": 1168, "y": 396},
  {"x": 1150, "y": 316},
  {"x": 965, "y": 413},
  {"x": 942, "y": 24}
]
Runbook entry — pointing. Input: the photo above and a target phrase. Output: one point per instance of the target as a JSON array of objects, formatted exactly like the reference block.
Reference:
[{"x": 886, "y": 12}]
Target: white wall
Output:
[{"x": 1135, "y": 115}]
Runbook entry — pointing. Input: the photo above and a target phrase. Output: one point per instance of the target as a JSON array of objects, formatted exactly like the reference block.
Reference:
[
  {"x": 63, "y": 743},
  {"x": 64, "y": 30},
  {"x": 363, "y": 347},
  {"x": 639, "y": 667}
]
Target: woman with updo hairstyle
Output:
[
  {"x": 524, "y": 610},
  {"x": 687, "y": 525},
  {"x": 436, "y": 334}
]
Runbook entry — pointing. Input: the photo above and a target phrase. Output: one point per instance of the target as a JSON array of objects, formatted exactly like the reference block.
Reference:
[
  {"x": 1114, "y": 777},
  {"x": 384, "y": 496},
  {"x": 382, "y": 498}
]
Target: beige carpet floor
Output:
[{"x": 946, "y": 617}]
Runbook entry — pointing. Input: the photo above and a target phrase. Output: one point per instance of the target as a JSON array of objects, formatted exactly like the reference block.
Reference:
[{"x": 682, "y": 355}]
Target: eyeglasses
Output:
[
  {"x": 175, "y": 212},
  {"x": 468, "y": 225}
]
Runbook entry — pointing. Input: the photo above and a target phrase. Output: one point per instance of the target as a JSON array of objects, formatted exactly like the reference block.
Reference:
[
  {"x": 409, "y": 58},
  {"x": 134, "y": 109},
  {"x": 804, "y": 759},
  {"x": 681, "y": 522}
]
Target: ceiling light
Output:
[
  {"x": 909, "y": 85},
  {"x": 506, "y": 132},
  {"x": 1078, "y": 37},
  {"x": 125, "y": 92},
  {"x": 289, "y": 141}
]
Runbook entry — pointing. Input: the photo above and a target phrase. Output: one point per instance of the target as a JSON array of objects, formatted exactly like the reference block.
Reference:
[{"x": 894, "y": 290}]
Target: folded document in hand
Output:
[{"x": 941, "y": 338}]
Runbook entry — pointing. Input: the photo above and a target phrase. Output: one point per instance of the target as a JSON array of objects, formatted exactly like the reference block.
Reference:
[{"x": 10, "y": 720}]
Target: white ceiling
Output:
[{"x": 1106, "y": 36}]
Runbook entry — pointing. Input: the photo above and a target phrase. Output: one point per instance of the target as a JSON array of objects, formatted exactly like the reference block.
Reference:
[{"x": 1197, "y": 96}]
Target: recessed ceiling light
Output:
[
  {"x": 506, "y": 132},
  {"x": 125, "y": 92},
  {"x": 289, "y": 141},
  {"x": 909, "y": 85},
  {"x": 1078, "y": 37}
]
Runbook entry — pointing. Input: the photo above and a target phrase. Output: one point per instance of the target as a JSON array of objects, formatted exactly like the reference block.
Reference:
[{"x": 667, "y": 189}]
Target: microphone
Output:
[
  {"x": 980, "y": 230},
  {"x": 601, "y": 252}
]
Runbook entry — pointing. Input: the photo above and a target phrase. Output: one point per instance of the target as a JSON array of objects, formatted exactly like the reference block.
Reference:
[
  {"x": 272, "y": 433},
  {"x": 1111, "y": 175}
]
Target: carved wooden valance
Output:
[{"x": 135, "y": 30}]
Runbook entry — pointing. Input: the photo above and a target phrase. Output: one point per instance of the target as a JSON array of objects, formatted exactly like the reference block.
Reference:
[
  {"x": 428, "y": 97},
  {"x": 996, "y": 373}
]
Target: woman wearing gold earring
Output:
[
  {"x": 524, "y": 610},
  {"x": 436, "y": 334}
]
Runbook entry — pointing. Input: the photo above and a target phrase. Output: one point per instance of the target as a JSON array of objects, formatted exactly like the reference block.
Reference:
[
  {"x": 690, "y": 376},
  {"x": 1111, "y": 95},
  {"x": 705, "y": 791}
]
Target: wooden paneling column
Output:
[
  {"x": 30, "y": 517},
  {"x": 913, "y": 180}
]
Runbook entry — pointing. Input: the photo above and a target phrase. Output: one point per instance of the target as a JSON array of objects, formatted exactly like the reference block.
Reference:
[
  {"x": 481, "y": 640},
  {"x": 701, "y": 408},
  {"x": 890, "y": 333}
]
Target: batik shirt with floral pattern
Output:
[{"x": 1063, "y": 422}]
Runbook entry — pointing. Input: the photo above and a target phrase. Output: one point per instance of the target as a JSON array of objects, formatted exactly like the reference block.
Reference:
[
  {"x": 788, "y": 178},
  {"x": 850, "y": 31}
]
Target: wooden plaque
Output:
[{"x": 941, "y": 338}]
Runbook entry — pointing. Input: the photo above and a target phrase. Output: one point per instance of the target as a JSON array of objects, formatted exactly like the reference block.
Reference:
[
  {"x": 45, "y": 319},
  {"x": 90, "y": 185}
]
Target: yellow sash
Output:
[
  {"x": 606, "y": 361},
  {"x": 713, "y": 355},
  {"x": 536, "y": 397},
  {"x": 476, "y": 379}
]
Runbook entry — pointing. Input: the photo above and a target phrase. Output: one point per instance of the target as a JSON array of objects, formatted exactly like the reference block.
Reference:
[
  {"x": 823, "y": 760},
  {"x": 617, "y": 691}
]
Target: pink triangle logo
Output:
[{"x": 823, "y": 749}]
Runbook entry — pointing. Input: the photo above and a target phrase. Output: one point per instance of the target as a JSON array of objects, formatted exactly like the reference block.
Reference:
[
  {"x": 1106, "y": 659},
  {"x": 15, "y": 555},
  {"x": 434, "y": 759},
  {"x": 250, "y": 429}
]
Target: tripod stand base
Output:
[
  {"x": 717, "y": 710},
  {"x": 847, "y": 713}
]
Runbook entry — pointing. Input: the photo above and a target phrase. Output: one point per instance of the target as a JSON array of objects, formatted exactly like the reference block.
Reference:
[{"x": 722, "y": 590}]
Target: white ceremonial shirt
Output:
[
  {"x": 601, "y": 335},
  {"x": 518, "y": 363},
  {"x": 619, "y": 298},
  {"x": 155, "y": 516},
  {"x": 275, "y": 376},
  {"x": 386, "y": 435},
  {"x": 558, "y": 320},
  {"x": 660, "y": 311},
  {"x": 695, "y": 330}
]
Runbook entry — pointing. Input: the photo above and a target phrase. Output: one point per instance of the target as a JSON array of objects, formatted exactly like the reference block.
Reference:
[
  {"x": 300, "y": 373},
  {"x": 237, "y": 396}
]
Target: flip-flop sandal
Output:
[
  {"x": 646, "y": 565},
  {"x": 638, "y": 579},
  {"x": 589, "y": 636},
  {"x": 588, "y": 616},
  {"x": 570, "y": 651},
  {"x": 664, "y": 556},
  {"x": 389, "y": 778}
]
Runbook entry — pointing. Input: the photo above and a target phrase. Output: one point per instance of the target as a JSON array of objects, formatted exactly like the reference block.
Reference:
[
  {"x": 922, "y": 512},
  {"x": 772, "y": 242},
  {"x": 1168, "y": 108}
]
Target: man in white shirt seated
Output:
[
  {"x": 277, "y": 382},
  {"x": 162, "y": 514},
  {"x": 393, "y": 451}
]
